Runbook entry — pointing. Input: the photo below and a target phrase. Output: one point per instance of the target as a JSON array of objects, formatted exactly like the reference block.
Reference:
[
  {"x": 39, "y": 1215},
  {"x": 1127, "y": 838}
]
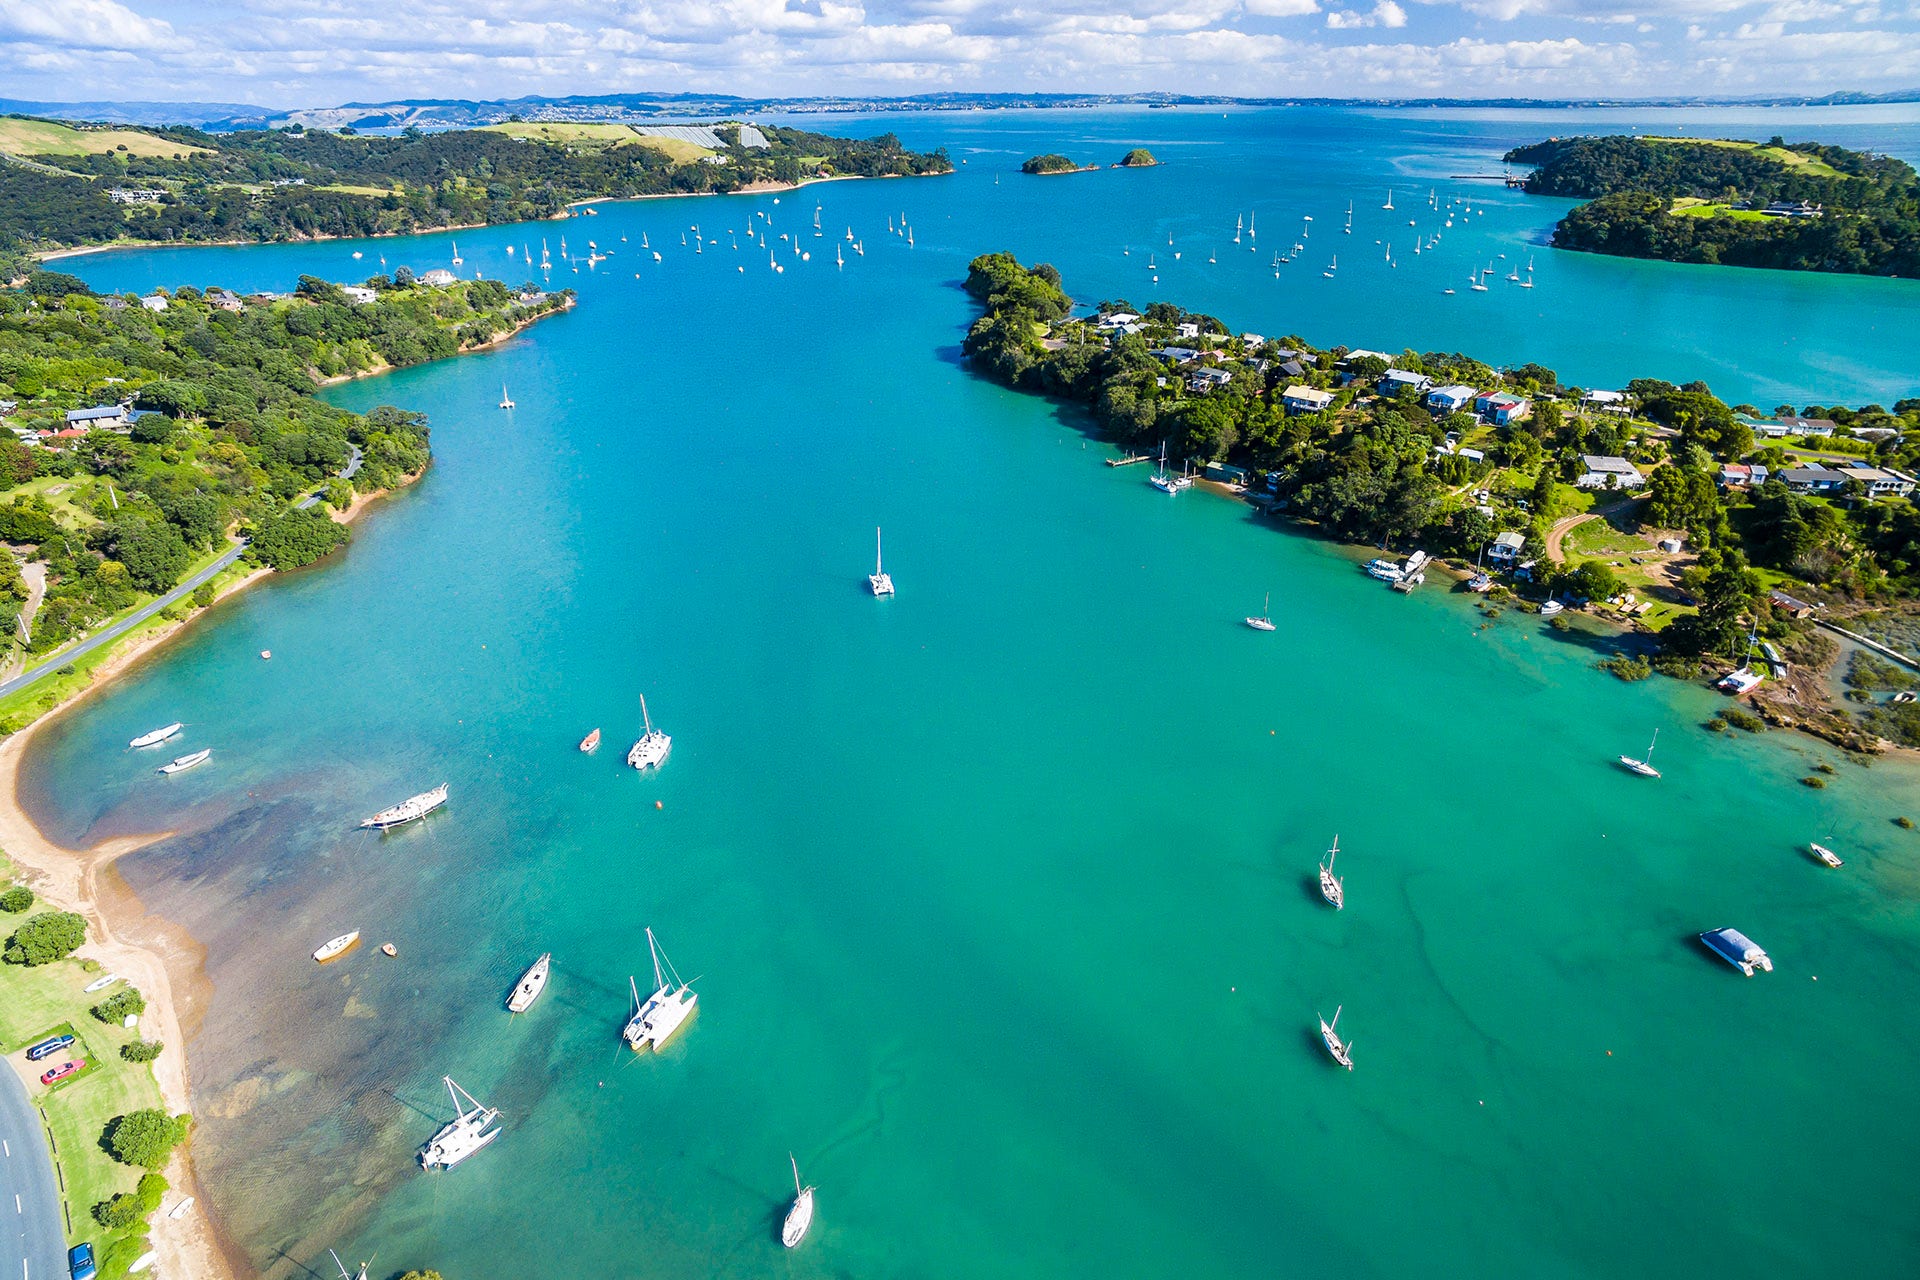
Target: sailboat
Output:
[
  {"x": 1389, "y": 203},
  {"x": 1331, "y": 887},
  {"x": 470, "y": 1129},
  {"x": 1265, "y": 621},
  {"x": 157, "y": 736},
  {"x": 1161, "y": 480},
  {"x": 1239, "y": 223},
  {"x": 506, "y": 401},
  {"x": 1341, "y": 1050},
  {"x": 651, "y": 750},
  {"x": 457, "y": 259},
  {"x": 343, "y": 1267},
  {"x": 1473, "y": 282},
  {"x": 1643, "y": 767},
  {"x": 654, "y": 1021},
  {"x": 880, "y": 582},
  {"x": 531, "y": 984},
  {"x": 800, "y": 1216},
  {"x": 1332, "y": 267}
]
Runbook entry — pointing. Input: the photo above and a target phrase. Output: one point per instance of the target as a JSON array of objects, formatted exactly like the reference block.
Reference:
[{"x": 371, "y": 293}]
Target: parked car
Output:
[
  {"x": 62, "y": 1071},
  {"x": 48, "y": 1047},
  {"x": 80, "y": 1261}
]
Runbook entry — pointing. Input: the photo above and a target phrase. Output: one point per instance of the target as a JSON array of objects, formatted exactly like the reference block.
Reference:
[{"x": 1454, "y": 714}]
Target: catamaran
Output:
[
  {"x": 800, "y": 1216},
  {"x": 654, "y": 1021},
  {"x": 531, "y": 984},
  {"x": 181, "y": 763},
  {"x": 334, "y": 947},
  {"x": 879, "y": 581},
  {"x": 1265, "y": 621},
  {"x": 1331, "y": 887},
  {"x": 506, "y": 401},
  {"x": 157, "y": 736},
  {"x": 1643, "y": 767},
  {"x": 469, "y": 1130},
  {"x": 1341, "y": 1050},
  {"x": 651, "y": 750},
  {"x": 408, "y": 810},
  {"x": 343, "y": 1267}
]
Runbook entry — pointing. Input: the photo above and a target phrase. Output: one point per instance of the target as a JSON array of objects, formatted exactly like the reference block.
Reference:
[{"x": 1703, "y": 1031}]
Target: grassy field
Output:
[
  {"x": 1792, "y": 159},
  {"x": 36, "y": 1002},
  {"x": 1599, "y": 539},
  {"x": 60, "y": 493},
  {"x": 45, "y": 138},
  {"x": 603, "y": 135},
  {"x": 351, "y": 190},
  {"x": 1694, "y": 207}
]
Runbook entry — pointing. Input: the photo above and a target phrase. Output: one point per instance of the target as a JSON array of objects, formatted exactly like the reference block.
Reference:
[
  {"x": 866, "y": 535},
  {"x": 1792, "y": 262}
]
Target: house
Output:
[
  {"x": 1118, "y": 320},
  {"x": 438, "y": 278},
  {"x": 1780, "y": 428},
  {"x": 70, "y": 433},
  {"x": 359, "y": 294},
  {"x": 1204, "y": 380},
  {"x": 1500, "y": 408},
  {"x": 1394, "y": 381},
  {"x": 1449, "y": 399},
  {"x": 1362, "y": 353},
  {"x": 1734, "y": 473},
  {"x": 7, "y": 407},
  {"x": 225, "y": 300},
  {"x": 1187, "y": 331},
  {"x": 1253, "y": 341},
  {"x": 1293, "y": 369},
  {"x": 135, "y": 195},
  {"x": 1179, "y": 355},
  {"x": 154, "y": 302},
  {"x": 1471, "y": 455},
  {"x": 1784, "y": 603},
  {"x": 1813, "y": 479},
  {"x": 1505, "y": 548},
  {"x": 102, "y": 417},
  {"x": 1225, "y": 474},
  {"x": 1298, "y": 399},
  {"x": 1760, "y": 474},
  {"x": 112, "y": 303},
  {"x": 1605, "y": 401},
  {"x": 1880, "y": 481},
  {"x": 1599, "y": 471}
]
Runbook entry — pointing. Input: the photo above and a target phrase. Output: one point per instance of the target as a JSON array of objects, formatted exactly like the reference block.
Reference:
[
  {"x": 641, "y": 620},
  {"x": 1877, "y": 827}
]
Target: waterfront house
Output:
[
  {"x": 224, "y": 300},
  {"x": 1505, "y": 548},
  {"x": 1394, "y": 381},
  {"x": 113, "y": 302},
  {"x": 438, "y": 278},
  {"x": 1205, "y": 380},
  {"x": 1298, "y": 399},
  {"x": 1449, "y": 399},
  {"x": 1784, "y": 603},
  {"x": 1225, "y": 474},
  {"x": 102, "y": 417},
  {"x": 1179, "y": 355},
  {"x": 1500, "y": 408},
  {"x": 1598, "y": 469},
  {"x": 1118, "y": 320},
  {"x": 1780, "y": 428},
  {"x": 1253, "y": 341},
  {"x": 1361, "y": 353},
  {"x": 1813, "y": 479},
  {"x": 1187, "y": 331},
  {"x": 359, "y": 294},
  {"x": 154, "y": 302},
  {"x": 1881, "y": 482},
  {"x": 1605, "y": 401}
]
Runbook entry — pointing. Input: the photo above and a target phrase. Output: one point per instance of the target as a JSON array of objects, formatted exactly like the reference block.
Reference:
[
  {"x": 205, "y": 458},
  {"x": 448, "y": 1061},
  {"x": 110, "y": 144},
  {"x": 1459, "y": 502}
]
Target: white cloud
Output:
[
  {"x": 1282, "y": 8},
  {"x": 1384, "y": 14},
  {"x": 83, "y": 24}
]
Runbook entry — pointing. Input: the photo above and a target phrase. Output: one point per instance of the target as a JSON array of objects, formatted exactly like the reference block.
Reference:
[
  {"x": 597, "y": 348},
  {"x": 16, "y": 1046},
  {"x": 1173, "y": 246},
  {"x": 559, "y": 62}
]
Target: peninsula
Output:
[
  {"x": 64, "y": 186},
  {"x": 1805, "y": 206},
  {"x": 1698, "y": 524}
]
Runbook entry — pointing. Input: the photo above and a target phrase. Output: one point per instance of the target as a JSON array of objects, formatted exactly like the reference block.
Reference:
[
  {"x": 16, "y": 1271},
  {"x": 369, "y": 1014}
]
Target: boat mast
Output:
[
  {"x": 796, "y": 1174},
  {"x": 876, "y": 552},
  {"x": 1656, "y": 738},
  {"x": 658, "y": 980},
  {"x": 646, "y": 721}
]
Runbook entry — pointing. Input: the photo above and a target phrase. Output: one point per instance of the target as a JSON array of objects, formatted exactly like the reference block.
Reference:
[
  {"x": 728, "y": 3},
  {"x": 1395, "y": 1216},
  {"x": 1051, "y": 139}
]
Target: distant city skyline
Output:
[{"x": 294, "y": 53}]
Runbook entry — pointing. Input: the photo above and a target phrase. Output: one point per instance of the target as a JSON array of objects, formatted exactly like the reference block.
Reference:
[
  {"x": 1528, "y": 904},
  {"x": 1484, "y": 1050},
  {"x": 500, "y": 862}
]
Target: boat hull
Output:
[
  {"x": 337, "y": 947},
  {"x": 408, "y": 810},
  {"x": 799, "y": 1219},
  {"x": 532, "y": 984}
]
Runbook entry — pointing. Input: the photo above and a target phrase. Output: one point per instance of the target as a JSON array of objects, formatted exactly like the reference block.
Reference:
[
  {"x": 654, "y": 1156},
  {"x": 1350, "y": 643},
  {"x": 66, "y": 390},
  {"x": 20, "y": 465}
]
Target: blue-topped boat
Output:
[{"x": 1737, "y": 949}]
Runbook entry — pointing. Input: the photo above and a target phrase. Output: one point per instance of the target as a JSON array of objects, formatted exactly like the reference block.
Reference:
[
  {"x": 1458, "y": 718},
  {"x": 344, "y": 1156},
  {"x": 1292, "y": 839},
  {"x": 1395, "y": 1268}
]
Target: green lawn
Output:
[
  {"x": 1693, "y": 207},
  {"x": 61, "y": 493},
  {"x": 1792, "y": 159},
  {"x": 45, "y": 138}
]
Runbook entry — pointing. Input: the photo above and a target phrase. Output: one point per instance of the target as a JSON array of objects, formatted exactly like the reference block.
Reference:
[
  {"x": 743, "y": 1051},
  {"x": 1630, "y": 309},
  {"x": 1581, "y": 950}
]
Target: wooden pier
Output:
[{"x": 1129, "y": 460}]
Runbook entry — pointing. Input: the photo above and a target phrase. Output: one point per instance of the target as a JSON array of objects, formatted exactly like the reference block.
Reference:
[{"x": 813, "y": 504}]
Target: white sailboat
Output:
[
  {"x": 531, "y": 984},
  {"x": 1331, "y": 887},
  {"x": 1643, "y": 767},
  {"x": 335, "y": 947},
  {"x": 506, "y": 401},
  {"x": 651, "y": 750},
  {"x": 1332, "y": 267},
  {"x": 1389, "y": 203},
  {"x": 654, "y": 1021},
  {"x": 343, "y": 1267},
  {"x": 457, "y": 259},
  {"x": 1341, "y": 1050},
  {"x": 880, "y": 582},
  {"x": 800, "y": 1216},
  {"x": 1265, "y": 621},
  {"x": 1161, "y": 480},
  {"x": 182, "y": 763},
  {"x": 157, "y": 736},
  {"x": 470, "y": 1129},
  {"x": 408, "y": 810},
  {"x": 1473, "y": 282}
]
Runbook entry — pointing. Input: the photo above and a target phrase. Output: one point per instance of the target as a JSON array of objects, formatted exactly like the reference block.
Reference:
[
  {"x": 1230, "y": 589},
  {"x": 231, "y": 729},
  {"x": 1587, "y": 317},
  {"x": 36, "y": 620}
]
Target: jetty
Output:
[
  {"x": 1410, "y": 573},
  {"x": 1129, "y": 460}
]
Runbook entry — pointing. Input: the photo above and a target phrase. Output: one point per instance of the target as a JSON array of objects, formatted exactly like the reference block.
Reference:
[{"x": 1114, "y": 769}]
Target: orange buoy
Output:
[{"x": 659, "y": 804}]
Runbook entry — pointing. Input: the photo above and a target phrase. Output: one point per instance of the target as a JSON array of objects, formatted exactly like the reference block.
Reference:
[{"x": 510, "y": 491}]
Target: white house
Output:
[
  {"x": 358, "y": 294},
  {"x": 154, "y": 302},
  {"x": 1505, "y": 548},
  {"x": 1605, "y": 401},
  {"x": 1598, "y": 469},
  {"x": 1299, "y": 399},
  {"x": 1204, "y": 380},
  {"x": 1116, "y": 319},
  {"x": 438, "y": 278},
  {"x": 1187, "y": 331},
  {"x": 1395, "y": 380},
  {"x": 1449, "y": 399}
]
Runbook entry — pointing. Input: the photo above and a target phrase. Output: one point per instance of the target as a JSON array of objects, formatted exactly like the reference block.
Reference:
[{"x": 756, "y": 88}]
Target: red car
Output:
[{"x": 62, "y": 1071}]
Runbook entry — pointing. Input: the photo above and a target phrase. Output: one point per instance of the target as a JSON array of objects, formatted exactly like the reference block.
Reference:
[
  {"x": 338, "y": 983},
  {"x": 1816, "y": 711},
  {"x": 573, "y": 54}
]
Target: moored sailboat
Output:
[
  {"x": 800, "y": 1215},
  {"x": 880, "y": 582},
  {"x": 1332, "y": 888},
  {"x": 531, "y": 984},
  {"x": 1643, "y": 767},
  {"x": 651, "y": 750},
  {"x": 1341, "y": 1050},
  {"x": 1265, "y": 621},
  {"x": 333, "y": 948},
  {"x": 408, "y": 810}
]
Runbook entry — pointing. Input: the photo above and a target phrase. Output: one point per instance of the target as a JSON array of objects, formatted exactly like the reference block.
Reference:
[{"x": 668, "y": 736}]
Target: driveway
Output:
[{"x": 33, "y": 1237}]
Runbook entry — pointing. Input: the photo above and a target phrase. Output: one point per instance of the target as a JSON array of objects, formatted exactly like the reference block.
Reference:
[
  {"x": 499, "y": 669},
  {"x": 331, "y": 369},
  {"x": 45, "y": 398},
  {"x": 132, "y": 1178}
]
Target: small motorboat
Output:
[
  {"x": 1825, "y": 854},
  {"x": 180, "y": 764},
  {"x": 157, "y": 736},
  {"x": 531, "y": 984},
  {"x": 591, "y": 741},
  {"x": 800, "y": 1216},
  {"x": 388, "y": 949},
  {"x": 1551, "y": 607},
  {"x": 101, "y": 983},
  {"x": 266, "y": 655},
  {"x": 334, "y": 948}
]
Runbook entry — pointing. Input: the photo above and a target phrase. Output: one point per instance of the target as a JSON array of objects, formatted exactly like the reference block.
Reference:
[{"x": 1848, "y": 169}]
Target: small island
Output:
[
  {"x": 1804, "y": 206},
  {"x": 1138, "y": 158},
  {"x": 1052, "y": 163},
  {"x": 1689, "y": 523}
]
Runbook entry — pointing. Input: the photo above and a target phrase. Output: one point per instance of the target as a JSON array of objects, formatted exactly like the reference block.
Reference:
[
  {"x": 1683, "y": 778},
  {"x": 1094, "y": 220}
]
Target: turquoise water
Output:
[{"x": 1000, "y": 892}]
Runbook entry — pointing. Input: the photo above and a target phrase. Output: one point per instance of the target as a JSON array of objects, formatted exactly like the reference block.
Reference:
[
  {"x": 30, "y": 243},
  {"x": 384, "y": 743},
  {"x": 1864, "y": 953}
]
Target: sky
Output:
[{"x": 309, "y": 53}]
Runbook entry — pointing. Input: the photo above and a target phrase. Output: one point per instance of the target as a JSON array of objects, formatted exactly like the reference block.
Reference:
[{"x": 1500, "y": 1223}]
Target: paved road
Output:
[
  {"x": 83, "y": 647},
  {"x": 33, "y": 1236}
]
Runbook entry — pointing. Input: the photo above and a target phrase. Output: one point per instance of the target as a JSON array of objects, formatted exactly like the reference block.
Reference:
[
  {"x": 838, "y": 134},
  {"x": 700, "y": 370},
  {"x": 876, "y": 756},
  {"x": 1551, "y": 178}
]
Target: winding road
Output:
[
  {"x": 33, "y": 1231},
  {"x": 81, "y": 648}
]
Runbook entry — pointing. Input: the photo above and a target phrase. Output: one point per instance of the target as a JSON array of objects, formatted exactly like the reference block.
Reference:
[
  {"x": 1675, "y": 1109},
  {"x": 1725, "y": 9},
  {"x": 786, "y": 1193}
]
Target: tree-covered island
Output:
[
  {"x": 81, "y": 185},
  {"x": 1659, "y": 506},
  {"x": 1804, "y": 206},
  {"x": 144, "y": 434},
  {"x": 1138, "y": 158},
  {"x": 1053, "y": 163}
]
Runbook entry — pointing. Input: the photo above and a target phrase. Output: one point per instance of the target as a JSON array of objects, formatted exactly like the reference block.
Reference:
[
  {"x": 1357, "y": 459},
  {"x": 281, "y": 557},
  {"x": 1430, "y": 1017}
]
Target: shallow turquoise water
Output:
[{"x": 1001, "y": 891}]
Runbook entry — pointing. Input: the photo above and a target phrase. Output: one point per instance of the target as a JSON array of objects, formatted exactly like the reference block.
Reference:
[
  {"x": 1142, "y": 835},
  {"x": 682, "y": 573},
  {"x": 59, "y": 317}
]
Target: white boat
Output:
[
  {"x": 506, "y": 401},
  {"x": 1738, "y": 950},
  {"x": 180, "y": 764},
  {"x": 457, "y": 259},
  {"x": 1825, "y": 854},
  {"x": 343, "y": 1267},
  {"x": 1331, "y": 887},
  {"x": 1643, "y": 767},
  {"x": 1265, "y": 621},
  {"x": 656, "y": 1019},
  {"x": 1389, "y": 203},
  {"x": 800, "y": 1216},
  {"x": 336, "y": 947},
  {"x": 1745, "y": 680},
  {"x": 591, "y": 742},
  {"x": 880, "y": 581},
  {"x": 157, "y": 736},
  {"x": 1551, "y": 607},
  {"x": 650, "y": 752},
  {"x": 179, "y": 1211},
  {"x": 531, "y": 984},
  {"x": 1341, "y": 1050},
  {"x": 408, "y": 810},
  {"x": 101, "y": 983},
  {"x": 1383, "y": 569},
  {"x": 469, "y": 1130},
  {"x": 1332, "y": 267}
]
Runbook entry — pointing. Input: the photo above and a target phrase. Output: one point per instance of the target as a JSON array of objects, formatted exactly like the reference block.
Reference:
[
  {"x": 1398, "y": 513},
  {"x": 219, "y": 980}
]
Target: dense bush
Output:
[
  {"x": 16, "y": 899},
  {"x": 116, "y": 1008},
  {"x": 294, "y": 539},
  {"x": 44, "y": 938},
  {"x": 145, "y": 1138},
  {"x": 141, "y": 1050}
]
